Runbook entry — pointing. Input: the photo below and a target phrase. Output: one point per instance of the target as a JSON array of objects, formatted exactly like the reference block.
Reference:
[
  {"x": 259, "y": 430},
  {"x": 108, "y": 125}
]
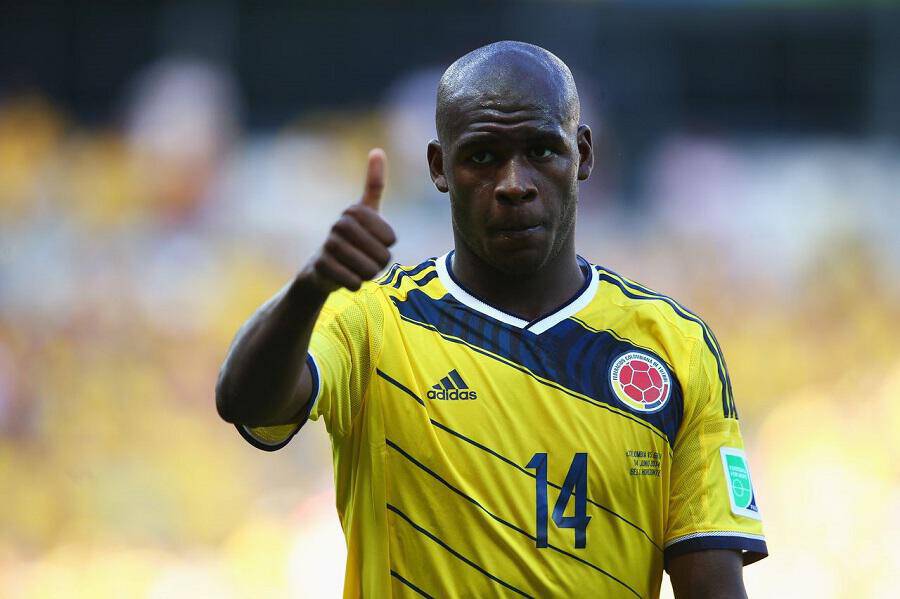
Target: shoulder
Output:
[
  {"x": 630, "y": 303},
  {"x": 678, "y": 334},
  {"x": 396, "y": 282},
  {"x": 400, "y": 279},
  {"x": 397, "y": 277}
]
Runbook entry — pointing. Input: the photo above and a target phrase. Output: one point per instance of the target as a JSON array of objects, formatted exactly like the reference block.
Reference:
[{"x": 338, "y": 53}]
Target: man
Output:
[{"x": 507, "y": 419}]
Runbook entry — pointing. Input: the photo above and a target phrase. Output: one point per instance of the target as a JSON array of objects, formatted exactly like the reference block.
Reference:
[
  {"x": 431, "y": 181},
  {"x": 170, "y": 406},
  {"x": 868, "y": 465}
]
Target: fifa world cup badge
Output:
[{"x": 740, "y": 486}]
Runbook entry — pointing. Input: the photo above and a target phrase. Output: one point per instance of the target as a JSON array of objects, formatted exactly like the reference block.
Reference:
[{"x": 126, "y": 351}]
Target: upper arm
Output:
[
  {"x": 713, "y": 574},
  {"x": 712, "y": 502},
  {"x": 342, "y": 354},
  {"x": 345, "y": 348},
  {"x": 274, "y": 437}
]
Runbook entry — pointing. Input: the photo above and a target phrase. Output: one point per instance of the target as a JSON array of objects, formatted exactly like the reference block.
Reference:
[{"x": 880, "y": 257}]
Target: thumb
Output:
[{"x": 375, "y": 177}]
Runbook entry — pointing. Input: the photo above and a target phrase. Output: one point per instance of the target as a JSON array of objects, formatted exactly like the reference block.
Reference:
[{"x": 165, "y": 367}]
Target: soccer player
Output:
[{"x": 508, "y": 419}]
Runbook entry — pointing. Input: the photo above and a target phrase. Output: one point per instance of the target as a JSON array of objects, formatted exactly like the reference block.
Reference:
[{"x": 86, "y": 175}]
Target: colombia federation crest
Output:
[{"x": 640, "y": 381}]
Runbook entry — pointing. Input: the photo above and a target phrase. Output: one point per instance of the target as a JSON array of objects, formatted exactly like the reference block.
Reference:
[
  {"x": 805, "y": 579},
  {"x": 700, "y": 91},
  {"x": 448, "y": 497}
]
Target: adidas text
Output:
[
  {"x": 451, "y": 387},
  {"x": 452, "y": 394}
]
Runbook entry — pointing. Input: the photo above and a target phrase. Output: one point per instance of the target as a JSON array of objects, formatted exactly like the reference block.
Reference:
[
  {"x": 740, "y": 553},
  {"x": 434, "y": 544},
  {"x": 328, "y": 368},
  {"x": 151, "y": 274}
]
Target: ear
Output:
[
  {"x": 585, "y": 152},
  {"x": 436, "y": 166}
]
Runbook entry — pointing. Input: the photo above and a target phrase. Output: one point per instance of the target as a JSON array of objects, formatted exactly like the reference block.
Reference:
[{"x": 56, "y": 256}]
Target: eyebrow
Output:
[{"x": 531, "y": 134}]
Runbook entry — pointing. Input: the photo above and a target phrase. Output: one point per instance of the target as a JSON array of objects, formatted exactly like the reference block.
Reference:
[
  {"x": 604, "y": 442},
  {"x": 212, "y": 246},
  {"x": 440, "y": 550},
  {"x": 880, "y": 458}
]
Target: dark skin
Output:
[
  {"x": 265, "y": 380},
  {"x": 510, "y": 154},
  {"x": 712, "y": 574},
  {"x": 513, "y": 170}
]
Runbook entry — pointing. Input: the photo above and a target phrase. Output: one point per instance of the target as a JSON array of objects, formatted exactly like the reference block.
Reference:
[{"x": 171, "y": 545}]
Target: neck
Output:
[{"x": 527, "y": 296}]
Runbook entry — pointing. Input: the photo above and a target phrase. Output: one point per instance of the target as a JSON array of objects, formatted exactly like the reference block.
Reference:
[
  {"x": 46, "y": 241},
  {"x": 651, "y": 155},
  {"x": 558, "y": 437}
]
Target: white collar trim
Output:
[{"x": 537, "y": 327}]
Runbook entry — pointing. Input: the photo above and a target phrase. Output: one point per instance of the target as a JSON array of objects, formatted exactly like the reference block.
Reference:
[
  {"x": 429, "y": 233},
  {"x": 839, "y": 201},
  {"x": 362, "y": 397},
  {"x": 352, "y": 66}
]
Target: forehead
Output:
[{"x": 478, "y": 115}]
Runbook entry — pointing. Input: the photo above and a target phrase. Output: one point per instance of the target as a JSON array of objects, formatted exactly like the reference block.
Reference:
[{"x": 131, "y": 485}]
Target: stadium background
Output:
[{"x": 165, "y": 167}]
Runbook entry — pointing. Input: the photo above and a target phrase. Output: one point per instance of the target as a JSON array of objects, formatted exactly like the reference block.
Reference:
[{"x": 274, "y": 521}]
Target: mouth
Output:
[{"x": 517, "y": 230}]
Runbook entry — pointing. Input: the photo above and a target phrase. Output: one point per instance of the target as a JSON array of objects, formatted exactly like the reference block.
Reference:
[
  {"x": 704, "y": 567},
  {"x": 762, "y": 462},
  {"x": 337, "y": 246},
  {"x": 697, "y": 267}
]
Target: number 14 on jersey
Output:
[{"x": 575, "y": 484}]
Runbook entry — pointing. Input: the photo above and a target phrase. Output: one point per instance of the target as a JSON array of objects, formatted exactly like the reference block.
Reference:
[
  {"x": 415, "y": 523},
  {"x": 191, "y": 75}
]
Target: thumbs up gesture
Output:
[{"x": 356, "y": 248}]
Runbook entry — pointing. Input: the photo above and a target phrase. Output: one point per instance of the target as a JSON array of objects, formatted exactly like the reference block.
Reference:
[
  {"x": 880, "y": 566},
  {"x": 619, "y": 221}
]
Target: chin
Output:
[{"x": 517, "y": 262}]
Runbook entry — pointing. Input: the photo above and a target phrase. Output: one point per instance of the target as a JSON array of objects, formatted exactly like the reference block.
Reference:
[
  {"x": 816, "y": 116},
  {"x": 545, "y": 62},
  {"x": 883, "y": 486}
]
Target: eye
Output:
[
  {"x": 540, "y": 153},
  {"x": 482, "y": 157}
]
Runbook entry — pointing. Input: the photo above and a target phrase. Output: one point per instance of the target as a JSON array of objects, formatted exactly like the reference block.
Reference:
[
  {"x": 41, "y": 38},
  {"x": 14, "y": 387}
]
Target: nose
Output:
[{"x": 514, "y": 182}]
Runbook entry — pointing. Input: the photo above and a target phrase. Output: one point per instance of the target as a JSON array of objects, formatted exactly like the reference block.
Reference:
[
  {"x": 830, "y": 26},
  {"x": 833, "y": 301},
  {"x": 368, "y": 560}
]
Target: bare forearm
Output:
[{"x": 264, "y": 379}]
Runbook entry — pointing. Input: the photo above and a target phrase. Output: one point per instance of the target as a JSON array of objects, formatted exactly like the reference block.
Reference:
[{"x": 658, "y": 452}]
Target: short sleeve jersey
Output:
[{"x": 477, "y": 454}]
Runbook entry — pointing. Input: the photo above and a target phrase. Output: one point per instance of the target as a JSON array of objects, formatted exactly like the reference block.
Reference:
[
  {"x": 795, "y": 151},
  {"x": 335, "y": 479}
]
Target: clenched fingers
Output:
[
  {"x": 331, "y": 269},
  {"x": 352, "y": 258},
  {"x": 351, "y": 230}
]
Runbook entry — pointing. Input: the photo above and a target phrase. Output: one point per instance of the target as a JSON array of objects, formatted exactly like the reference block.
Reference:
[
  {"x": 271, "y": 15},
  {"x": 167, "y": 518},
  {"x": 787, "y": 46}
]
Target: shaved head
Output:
[{"x": 512, "y": 73}]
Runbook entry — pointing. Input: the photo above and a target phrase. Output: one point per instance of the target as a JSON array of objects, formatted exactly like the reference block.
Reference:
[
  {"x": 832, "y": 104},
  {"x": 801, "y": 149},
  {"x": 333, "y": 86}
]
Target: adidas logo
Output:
[{"x": 451, "y": 387}]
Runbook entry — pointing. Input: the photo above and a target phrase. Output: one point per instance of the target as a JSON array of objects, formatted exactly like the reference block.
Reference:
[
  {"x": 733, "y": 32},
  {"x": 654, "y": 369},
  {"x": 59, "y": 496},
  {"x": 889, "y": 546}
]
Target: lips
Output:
[
  {"x": 517, "y": 235},
  {"x": 517, "y": 230},
  {"x": 517, "y": 226},
  {"x": 514, "y": 225}
]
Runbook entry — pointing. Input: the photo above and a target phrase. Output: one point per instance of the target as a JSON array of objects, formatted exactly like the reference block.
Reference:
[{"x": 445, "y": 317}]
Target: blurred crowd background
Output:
[{"x": 164, "y": 168}]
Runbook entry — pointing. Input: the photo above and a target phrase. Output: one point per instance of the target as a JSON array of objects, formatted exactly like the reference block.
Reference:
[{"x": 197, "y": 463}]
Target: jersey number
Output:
[{"x": 576, "y": 483}]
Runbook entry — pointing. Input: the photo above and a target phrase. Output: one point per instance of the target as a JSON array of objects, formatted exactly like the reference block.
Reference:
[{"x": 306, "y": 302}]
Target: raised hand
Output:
[{"x": 356, "y": 248}]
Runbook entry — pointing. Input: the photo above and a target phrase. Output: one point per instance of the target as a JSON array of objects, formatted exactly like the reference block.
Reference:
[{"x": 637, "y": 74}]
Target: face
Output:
[{"x": 512, "y": 171}]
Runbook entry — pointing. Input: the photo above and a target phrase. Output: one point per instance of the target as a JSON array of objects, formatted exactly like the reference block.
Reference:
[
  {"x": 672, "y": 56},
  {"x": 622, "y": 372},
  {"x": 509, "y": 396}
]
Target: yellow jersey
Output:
[{"x": 477, "y": 454}]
